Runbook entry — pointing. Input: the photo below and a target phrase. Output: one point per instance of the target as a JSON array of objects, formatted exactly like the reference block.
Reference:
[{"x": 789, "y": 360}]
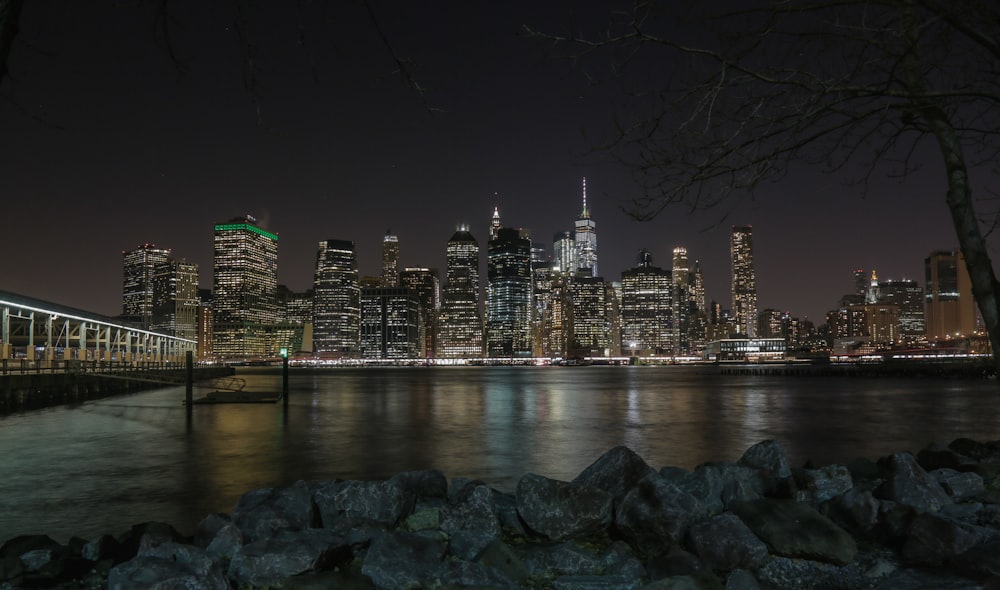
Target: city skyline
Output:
[{"x": 134, "y": 151}]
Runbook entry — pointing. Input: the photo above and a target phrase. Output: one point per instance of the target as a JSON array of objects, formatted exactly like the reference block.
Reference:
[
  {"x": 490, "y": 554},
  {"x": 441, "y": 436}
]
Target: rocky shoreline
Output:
[{"x": 930, "y": 520}]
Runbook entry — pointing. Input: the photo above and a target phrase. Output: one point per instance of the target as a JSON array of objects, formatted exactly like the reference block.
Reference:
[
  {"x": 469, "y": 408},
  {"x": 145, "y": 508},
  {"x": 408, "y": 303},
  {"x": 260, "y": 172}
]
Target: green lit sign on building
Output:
[{"x": 246, "y": 226}]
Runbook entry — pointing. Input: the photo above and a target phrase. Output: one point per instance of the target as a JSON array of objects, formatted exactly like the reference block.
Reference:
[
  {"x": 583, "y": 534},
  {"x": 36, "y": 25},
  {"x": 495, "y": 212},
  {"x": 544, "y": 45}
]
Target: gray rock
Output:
[
  {"x": 616, "y": 472},
  {"x": 262, "y": 513},
  {"x": 936, "y": 456},
  {"x": 741, "y": 580},
  {"x": 768, "y": 456},
  {"x": 907, "y": 483},
  {"x": 156, "y": 573},
  {"x": 620, "y": 560},
  {"x": 856, "y": 510},
  {"x": 423, "y": 485},
  {"x": 934, "y": 539},
  {"x": 725, "y": 543},
  {"x": 227, "y": 542},
  {"x": 717, "y": 484},
  {"x": 194, "y": 559},
  {"x": 464, "y": 574},
  {"x": 506, "y": 511},
  {"x": 209, "y": 527},
  {"x": 383, "y": 503},
  {"x": 980, "y": 561},
  {"x": 404, "y": 560},
  {"x": 499, "y": 556},
  {"x": 656, "y": 514},
  {"x": 959, "y": 485},
  {"x": 792, "y": 529},
  {"x": 565, "y": 559},
  {"x": 287, "y": 553},
  {"x": 103, "y": 547},
  {"x": 560, "y": 510},
  {"x": 783, "y": 573},
  {"x": 595, "y": 583},
  {"x": 423, "y": 519},
  {"x": 819, "y": 485},
  {"x": 686, "y": 582},
  {"x": 472, "y": 523}
]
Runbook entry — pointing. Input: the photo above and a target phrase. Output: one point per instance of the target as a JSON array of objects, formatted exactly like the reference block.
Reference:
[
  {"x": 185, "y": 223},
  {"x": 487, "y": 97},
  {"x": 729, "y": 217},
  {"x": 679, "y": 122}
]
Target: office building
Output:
[
  {"x": 390, "y": 322},
  {"x": 744, "y": 310},
  {"x": 563, "y": 253},
  {"x": 950, "y": 308},
  {"x": 138, "y": 267},
  {"x": 908, "y": 297},
  {"x": 175, "y": 299},
  {"x": 591, "y": 324},
  {"x": 244, "y": 283},
  {"x": 460, "y": 333},
  {"x": 390, "y": 261},
  {"x": 585, "y": 238},
  {"x": 336, "y": 300},
  {"x": 646, "y": 309},
  {"x": 509, "y": 291},
  {"x": 425, "y": 284}
]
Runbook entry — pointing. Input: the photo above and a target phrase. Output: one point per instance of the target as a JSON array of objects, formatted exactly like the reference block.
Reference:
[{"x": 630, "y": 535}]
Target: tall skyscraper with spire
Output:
[
  {"x": 744, "y": 308},
  {"x": 390, "y": 260},
  {"x": 460, "y": 321},
  {"x": 585, "y": 236},
  {"x": 495, "y": 223}
]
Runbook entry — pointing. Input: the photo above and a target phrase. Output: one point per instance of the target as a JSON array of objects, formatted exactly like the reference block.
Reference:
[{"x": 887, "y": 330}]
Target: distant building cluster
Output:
[{"x": 535, "y": 304}]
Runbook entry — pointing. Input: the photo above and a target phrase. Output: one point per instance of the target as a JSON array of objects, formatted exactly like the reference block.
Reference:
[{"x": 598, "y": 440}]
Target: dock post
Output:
[
  {"x": 189, "y": 378},
  {"x": 284, "y": 381}
]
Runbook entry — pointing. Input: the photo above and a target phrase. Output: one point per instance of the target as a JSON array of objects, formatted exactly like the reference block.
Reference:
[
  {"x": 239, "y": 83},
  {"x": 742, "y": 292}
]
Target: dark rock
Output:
[
  {"x": 675, "y": 562},
  {"x": 18, "y": 546},
  {"x": 674, "y": 475},
  {"x": 565, "y": 559},
  {"x": 464, "y": 574},
  {"x": 959, "y": 485},
  {"x": 980, "y": 561},
  {"x": 616, "y": 471},
  {"x": 819, "y": 485},
  {"x": 934, "y": 539},
  {"x": 595, "y": 583},
  {"x": 287, "y": 553},
  {"x": 227, "y": 542},
  {"x": 925, "y": 579},
  {"x": 741, "y": 580},
  {"x": 656, "y": 514},
  {"x": 701, "y": 581},
  {"x": 715, "y": 485},
  {"x": 979, "y": 451},
  {"x": 505, "y": 506},
  {"x": 192, "y": 559},
  {"x": 423, "y": 519},
  {"x": 345, "y": 578},
  {"x": 472, "y": 523},
  {"x": 383, "y": 503},
  {"x": 620, "y": 560},
  {"x": 783, "y": 573},
  {"x": 262, "y": 513},
  {"x": 863, "y": 470},
  {"x": 768, "y": 456},
  {"x": 423, "y": 485},
  {"x": 155, "y": 573},
  {"x": 460, "y": 485},
  {"x": 404, "y": 560},
  {"x": 560, "y": 510},
  {"x": 796, "y": 530},
  {"x": 10, "y": 567},
  {"x": 907, "y": 483},
  {"x": 499, "y": 556},
  {"x": 894, "y": 521},
  {"x": 936, "y": 456},
  {"x": 856, "y": 510},
  {"x": 209, "y": 527},
  {"x": 725, "y": 543}
]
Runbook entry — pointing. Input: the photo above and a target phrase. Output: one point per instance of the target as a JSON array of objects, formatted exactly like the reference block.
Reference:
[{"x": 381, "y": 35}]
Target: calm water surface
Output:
[{"x": 103, "y": 466}]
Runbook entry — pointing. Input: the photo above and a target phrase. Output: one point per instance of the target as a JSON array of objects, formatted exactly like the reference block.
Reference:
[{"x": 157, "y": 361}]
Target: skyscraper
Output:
[
  {"x": 564, "y": 253},
  {"x": 950, "y": 308},
  {"x": 585, "y": 236},
  {"x": 646, "y": 310},
  {"x": 681, "y": 302},
  {"x": 744, "y": 308},
  {"x": 390, "y": 260},
  {"x": 460, "y": 322},
  {"x": 426, "y": 286},
  {"x": 336, "y": 300},
  {"x": 390, "y": 318},
  {"x": 495, "y": 224},
  {"x": 591, "y": 321},
  {"x": 908, "y": 296},
  {"x": 244, "y": 283},
  {"x": 138, "y": 267},
  {"x": 508, "y": 302},
  {"x": 175, "y": 299}
]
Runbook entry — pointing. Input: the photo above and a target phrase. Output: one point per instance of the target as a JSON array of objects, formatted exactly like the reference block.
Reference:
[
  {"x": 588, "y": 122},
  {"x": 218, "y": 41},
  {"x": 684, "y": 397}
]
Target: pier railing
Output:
[{"x": 27, "y": 367}]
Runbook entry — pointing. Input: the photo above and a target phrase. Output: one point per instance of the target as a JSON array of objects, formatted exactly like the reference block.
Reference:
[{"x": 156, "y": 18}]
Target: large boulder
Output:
[
  {"x": 656, "y": 514},
  {"x": 616, "y": 472},
  {"x": 794, "y": 529},
  {"x": 288, "y": 553},
  {"x": 770, "y": 457},
  {"x": 960, "y": 485},
  {"x": 560, "y": 510},
  {"x": 174, "y": 564},
  {"x": 262, "y": 513},
  {"x": 907, "y": 483},
  {"x": 384, "y": 503},
  {"x": 471, "y": 523},
  {"x": 819, "y": 485},
  {"x": 716, "y": 484},
  {"x": 397, "y": 561},
  {"x": 934, "y": 539},
  {"x": 725, "y": 543}
]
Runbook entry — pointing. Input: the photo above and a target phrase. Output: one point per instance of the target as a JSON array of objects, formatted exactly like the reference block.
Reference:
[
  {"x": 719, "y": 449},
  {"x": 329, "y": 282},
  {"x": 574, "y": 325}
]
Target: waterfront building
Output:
[
  {"x": 336, "y": 300},
  {"x": 591, "y": 325},
  {"x": 770, "y": 323},
  {"x": 390, "y": 261},
  {"x": 138, "y": 267},
  {"x": 460, "y": 322},
  {"x": 585, "y": 238},
  {"x": 950, "y": 308},
  {"x": 206, "y": 324},
  {"x": 508, "y": 295},
  {"x": 744, "y": 280},
  {"x": 876, "y": 324},
  {"x": 908, "y": 296},
  {"x": 646, "y": 309},
  {"x": 563, "y": 253},
  {"x": 681, "y": 302},
  {"x": 295, "y": 316},
  {"x": 244, "y": 284},
  {"x": 390, "y": 322},
  {"x": 425, "y": 284},
  {"x": 175, "y": 299},
  {"x": 744, "y": 350}
]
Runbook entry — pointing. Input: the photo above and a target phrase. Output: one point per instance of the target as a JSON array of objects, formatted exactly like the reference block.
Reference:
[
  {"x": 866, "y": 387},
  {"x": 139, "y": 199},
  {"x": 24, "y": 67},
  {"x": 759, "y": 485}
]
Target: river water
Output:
[{"x": 105, "y": 465}]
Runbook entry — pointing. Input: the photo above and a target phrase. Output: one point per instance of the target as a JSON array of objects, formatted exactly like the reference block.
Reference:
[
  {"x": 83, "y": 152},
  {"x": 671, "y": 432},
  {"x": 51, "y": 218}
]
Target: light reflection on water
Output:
[{"x": 106, "y": 465}]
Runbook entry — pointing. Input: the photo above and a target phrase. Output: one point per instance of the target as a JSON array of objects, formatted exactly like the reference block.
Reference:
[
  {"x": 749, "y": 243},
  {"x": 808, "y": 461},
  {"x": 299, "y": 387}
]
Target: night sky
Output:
[{"x": 106, "y": 142}]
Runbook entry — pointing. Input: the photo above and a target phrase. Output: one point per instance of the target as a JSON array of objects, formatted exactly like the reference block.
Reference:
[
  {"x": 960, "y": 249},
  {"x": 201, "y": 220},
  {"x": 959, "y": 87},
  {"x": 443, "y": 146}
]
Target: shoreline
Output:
[{"x": 932, "y": 517}]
